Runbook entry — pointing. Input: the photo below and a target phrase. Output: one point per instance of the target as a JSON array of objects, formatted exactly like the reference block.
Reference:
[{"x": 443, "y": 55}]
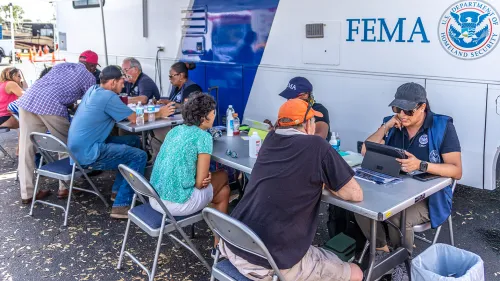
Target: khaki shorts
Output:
[{"x": 317, "y": 264}]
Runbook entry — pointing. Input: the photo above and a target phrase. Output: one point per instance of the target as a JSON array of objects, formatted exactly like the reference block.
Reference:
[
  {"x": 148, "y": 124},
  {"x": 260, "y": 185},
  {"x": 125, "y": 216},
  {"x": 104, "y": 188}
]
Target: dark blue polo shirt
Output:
[
  {"x": 144, "y": 86},
  {"x": 419, "y": 144}
]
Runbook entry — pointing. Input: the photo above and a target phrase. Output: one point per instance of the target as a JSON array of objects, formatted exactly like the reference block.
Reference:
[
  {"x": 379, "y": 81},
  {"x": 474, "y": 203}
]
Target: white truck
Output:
[{"x": 356, "y": 53}]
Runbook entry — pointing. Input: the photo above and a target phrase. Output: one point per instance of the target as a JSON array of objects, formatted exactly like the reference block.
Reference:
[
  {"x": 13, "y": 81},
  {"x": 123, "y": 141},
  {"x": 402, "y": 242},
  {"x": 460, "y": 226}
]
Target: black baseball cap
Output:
[
  {"x": 111, "y": 72},
  {"x": 296, "y": 86},
  {"x": 408, "y": 96}
]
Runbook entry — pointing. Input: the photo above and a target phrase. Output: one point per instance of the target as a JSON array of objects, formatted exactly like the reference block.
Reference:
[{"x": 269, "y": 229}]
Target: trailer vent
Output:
[{"x": 315, "y": 30}]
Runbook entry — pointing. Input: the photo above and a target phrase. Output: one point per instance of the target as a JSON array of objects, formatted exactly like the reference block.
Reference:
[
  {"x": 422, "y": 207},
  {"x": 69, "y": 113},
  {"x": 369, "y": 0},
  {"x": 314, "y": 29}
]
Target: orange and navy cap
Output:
[
  {"x": 298, "y": 111},
  {"x": 90, "y": 57}
]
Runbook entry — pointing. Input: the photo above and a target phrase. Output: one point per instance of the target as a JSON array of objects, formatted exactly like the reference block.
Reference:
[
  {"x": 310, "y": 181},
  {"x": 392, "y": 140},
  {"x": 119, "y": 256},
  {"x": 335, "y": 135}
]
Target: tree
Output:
[{"x": 5, "y": 13}]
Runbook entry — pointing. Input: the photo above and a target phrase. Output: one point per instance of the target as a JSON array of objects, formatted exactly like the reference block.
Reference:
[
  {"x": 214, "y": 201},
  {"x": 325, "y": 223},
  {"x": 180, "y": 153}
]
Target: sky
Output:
[{"x": 33, "y": 9}]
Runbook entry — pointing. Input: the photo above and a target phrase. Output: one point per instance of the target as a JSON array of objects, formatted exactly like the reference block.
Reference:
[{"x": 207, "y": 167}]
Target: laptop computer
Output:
[
  {"x": 382, "y": 159},
  {"x": 256, "y": 124}
]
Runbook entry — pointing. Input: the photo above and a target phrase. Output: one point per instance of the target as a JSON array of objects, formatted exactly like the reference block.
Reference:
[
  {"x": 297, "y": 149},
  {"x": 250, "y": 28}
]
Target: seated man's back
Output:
[{"x": 282, "y": 199}]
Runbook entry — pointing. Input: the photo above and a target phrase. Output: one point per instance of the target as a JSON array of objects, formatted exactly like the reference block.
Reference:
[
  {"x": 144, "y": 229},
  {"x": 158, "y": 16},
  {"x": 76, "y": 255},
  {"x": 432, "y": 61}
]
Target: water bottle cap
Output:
[{"x": 230, "y": 106}]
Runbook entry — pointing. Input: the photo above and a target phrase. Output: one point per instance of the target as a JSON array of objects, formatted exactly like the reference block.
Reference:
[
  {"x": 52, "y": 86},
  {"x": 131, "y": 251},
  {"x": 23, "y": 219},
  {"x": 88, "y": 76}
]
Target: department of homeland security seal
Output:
[{"x": 469, "y": 29}]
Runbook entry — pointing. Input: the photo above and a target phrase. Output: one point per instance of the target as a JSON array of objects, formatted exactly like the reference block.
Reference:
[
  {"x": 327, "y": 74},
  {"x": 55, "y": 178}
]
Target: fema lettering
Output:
[
  {"x": 292, "y": 86},
  {"x": 379, "y": 30},
  {"x": 469, "y": 29}
]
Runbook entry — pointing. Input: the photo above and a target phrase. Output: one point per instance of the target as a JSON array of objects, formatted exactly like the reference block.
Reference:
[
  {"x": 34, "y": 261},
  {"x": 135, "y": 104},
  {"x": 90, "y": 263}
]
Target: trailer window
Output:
[{"x": 80, "y": 4}]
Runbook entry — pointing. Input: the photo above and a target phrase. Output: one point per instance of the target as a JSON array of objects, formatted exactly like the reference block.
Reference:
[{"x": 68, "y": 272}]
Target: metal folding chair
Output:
[
  {"x": 154, "y": 223},
  {"x": 426, "y": 226},
  {"x": 240, "y": 236},
  {"x": 58, "y": 169}
]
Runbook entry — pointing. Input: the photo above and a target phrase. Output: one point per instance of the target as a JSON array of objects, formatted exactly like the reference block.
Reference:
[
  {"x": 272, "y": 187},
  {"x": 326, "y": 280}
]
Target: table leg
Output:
[
  {"x": 403, "y": 239},
  {"x": 373, "y": 249},
  {"x": 144, "y": 140}
]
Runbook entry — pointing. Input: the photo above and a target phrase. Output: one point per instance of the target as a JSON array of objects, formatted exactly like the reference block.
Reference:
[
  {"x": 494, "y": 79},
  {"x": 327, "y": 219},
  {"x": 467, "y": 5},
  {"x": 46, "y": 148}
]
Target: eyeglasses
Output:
[
  {"x": 398, "y": 110},
  {"x": 307, "y": 111},
  {"x": 171, "y": 76},
  {"x": 125, "y": 70},
  {"x": 232, "y": 153}
]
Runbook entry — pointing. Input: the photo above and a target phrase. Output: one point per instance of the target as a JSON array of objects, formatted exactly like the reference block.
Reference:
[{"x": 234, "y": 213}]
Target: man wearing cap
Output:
[
  {"x": 432, "y": 146},
  {"x": 301, "y": 88},
  {"x": 91, "y": 60},
  {"x": 44, "y": 107},
  {"x": 89, "y": 135},
  {"x": 282, "y": 199},
  {"x": 138, "y": 86}
]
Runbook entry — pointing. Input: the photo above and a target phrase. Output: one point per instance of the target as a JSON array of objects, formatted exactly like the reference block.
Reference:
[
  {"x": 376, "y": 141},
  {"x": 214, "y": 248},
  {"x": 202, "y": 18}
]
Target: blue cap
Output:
[{"x": 295, "y": 87}]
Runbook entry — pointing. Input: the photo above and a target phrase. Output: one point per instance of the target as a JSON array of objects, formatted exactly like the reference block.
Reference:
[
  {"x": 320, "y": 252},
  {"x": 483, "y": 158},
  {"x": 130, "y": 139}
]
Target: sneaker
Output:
[
  {"x": 214, "y": 251},
  {"x": 400, "y": 273},
  {"x": 120, "y": 212}
]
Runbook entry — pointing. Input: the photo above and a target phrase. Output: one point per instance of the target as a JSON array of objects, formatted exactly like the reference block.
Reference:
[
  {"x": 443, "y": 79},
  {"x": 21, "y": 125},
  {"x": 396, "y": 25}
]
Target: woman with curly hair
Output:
[
  {"x": 11, "y": 87},
  {"x": 181, "y": 171}
]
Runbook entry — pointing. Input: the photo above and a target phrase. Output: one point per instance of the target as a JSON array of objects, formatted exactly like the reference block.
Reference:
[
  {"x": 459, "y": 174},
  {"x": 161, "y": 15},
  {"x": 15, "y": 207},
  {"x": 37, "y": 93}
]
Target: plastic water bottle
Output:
[
  {"x": 139, "y": 112},
  {"x": 254, "y": 145},
  {"x": 230, "y": 121},
  {"x": 236, "y": 124},
  {"x": 151, "y": 111},
  {"x": 335, "y": 141}
]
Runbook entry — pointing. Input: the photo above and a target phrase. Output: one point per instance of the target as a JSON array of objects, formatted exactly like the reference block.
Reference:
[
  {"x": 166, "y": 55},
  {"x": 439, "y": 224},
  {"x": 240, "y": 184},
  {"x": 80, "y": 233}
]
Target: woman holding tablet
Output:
[{"x": 432, "y": 146}]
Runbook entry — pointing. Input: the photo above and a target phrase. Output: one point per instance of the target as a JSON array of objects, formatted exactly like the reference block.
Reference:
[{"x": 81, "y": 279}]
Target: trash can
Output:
[{"x": 442, "y": 262}]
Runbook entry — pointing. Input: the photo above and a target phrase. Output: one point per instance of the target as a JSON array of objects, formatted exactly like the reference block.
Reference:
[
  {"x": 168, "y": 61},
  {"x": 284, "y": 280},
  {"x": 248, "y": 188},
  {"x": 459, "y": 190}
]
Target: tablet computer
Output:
[{"x": 382, "y": 158}]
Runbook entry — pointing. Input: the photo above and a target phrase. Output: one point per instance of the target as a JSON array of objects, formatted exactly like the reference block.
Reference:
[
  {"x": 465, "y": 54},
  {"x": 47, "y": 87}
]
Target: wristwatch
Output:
[{"x": 423, "y": 166}]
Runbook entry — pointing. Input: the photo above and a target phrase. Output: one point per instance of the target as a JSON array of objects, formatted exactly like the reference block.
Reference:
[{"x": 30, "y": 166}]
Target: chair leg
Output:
[
  {"x": 157, "y": 254},
  {"x": 34, "y": 194},
  {"x": 119, "y": 266},
  {"x": 97, "y": 192},
  {"x": 408, "y": 268},
  {"x": 192, "y": 231},
  {"x": 437, "y": 235},
  {"x": 450, "y": 223},
  {"x": 66, "y": 212},
  {"x": 363, "y": 253},
  {"x": 6, "y": 154}
]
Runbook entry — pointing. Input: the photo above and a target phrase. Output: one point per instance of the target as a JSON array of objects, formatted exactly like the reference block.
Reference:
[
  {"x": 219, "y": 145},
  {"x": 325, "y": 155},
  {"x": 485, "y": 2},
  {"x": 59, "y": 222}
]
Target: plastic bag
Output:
[{"x": 441, "y": 262}]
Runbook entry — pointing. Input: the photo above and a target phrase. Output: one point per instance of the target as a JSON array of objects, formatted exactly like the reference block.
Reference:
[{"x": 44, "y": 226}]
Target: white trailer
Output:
[{"x": 356, "y": 53}]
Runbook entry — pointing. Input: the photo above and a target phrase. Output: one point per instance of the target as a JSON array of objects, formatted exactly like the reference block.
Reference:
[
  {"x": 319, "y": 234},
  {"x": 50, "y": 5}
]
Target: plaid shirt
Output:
[{"x": 53, "y": 93}]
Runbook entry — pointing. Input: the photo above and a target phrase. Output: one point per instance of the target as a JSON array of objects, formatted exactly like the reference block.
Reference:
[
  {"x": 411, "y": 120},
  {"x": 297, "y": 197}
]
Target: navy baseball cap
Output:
[{"x": 296, "y": 86}]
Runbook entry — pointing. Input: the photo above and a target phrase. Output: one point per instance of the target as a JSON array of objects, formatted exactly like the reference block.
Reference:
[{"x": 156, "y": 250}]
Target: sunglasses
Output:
[
  {"x": 231, "y": 153},
  {"x": 398, "y": 110}
]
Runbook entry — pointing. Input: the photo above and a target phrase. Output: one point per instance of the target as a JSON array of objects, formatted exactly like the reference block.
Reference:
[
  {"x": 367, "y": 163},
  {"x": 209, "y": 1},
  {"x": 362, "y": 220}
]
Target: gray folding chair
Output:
[
  {"x": 240, "y": 236},
  {"x": 154, "y": 223},
  {"x": 426, "y": 226},
  {"x": 58, "y": 169}
]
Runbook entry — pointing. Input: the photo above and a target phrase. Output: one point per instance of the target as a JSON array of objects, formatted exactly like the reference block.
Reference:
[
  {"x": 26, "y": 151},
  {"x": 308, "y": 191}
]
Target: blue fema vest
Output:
[
  {"x": 440, "y": 202},
  {"x": 177, "y": 97}
]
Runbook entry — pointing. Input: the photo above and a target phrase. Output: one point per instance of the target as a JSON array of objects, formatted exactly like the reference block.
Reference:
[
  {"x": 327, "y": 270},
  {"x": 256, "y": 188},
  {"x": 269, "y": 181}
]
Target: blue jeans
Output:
[{"x": 116, "y": 151}]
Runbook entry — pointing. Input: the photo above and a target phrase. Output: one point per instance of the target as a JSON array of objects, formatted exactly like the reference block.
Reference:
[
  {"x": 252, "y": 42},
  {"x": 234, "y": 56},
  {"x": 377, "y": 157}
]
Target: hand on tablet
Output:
[{"x": 411, "y": 164}]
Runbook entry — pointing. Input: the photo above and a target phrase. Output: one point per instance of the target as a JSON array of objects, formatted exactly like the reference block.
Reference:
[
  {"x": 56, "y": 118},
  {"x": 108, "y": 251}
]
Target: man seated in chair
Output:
[
  {"x": 282, "y": 199},
  {"x": 89, "y": 139}
]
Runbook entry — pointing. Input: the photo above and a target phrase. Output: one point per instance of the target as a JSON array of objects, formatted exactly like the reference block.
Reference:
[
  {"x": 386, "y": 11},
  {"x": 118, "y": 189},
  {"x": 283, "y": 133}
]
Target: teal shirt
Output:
[{"x": 174, "y": 172}]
